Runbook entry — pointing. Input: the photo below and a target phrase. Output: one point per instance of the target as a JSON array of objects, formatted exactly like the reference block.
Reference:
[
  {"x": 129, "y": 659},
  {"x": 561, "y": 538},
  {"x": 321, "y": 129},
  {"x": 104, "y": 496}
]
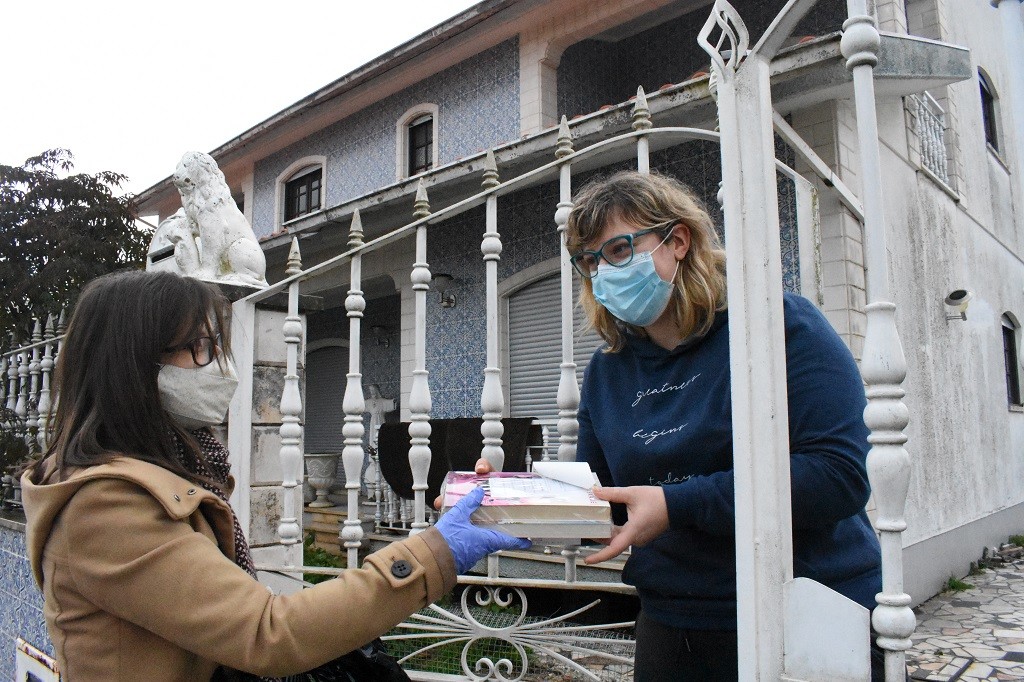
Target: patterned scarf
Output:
[{"x": 217, "y": 468}]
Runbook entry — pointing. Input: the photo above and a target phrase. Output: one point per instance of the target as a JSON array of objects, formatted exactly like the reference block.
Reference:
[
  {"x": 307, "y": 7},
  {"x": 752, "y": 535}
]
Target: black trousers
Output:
[{"x": 668, "y": 654}]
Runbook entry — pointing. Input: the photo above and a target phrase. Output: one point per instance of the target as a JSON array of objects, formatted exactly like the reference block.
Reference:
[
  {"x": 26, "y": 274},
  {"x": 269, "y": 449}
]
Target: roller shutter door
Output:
[
  {"x": 325, "y": 391},
  {"x": 535, "y": 348}
]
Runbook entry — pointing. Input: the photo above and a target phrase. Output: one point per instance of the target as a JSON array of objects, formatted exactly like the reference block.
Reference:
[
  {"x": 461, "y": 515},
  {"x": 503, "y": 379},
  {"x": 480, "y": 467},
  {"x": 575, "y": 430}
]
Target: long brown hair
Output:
[
  {"x": 652, "y": 199},
  {"x": 106, "y": 375}
]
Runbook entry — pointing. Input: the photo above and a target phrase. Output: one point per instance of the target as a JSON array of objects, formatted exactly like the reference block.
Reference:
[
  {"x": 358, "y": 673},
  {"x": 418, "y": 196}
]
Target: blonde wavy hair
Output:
[{"x": 643, "y": 200}]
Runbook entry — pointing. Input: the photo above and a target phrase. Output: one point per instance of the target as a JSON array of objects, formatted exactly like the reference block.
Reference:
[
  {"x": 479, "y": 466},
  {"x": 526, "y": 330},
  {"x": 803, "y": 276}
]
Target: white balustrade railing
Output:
[
  {"x": 930, "y": 120},
  {"x": 26, "y": 375}
]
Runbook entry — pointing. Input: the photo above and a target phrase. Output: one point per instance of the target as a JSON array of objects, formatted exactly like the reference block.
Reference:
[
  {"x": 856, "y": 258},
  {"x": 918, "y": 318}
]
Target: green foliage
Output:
[
  {"x": 977, "y": 568},
  {"x": 58, "y": 230},
  {"x": 316, "y": 556},
  {"x": 954, "y": 584},
  {"x": 1017, "y": 540}
]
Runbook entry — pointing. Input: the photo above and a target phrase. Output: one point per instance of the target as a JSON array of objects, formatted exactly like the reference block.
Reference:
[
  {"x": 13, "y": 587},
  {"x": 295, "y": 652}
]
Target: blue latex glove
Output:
[{"x": 468, "y": 543}]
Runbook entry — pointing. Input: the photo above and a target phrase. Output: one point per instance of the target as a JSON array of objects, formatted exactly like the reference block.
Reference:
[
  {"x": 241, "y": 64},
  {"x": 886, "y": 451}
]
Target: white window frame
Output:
[
  {"x": 402, "y": 137},
  {"x": 294, "y": 170}
]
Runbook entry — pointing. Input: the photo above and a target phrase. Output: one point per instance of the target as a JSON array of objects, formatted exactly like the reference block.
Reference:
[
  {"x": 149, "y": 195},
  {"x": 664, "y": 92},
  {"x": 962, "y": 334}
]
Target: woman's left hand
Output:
[{"x": 648, "y": 518}]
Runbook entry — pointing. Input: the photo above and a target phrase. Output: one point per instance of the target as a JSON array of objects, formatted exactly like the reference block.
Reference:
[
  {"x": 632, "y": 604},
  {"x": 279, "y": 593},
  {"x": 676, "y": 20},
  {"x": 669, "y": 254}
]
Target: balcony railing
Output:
[{"x": 930, "y": 120}]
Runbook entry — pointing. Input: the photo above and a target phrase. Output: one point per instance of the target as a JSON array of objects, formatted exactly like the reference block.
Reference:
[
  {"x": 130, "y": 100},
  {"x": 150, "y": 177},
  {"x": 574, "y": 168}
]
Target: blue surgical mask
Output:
[{"x": 634, "y": 293}]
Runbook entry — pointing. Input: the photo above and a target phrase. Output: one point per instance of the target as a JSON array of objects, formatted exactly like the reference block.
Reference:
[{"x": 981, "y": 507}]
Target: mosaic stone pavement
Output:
[{"x": 976, "y": 634}]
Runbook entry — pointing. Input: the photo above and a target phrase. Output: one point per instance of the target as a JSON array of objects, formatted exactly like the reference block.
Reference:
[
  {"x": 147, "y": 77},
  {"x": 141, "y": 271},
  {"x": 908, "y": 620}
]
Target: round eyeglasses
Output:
[
  {"x": 204, "y": 349},
  {"x": 617, "y": 251}
]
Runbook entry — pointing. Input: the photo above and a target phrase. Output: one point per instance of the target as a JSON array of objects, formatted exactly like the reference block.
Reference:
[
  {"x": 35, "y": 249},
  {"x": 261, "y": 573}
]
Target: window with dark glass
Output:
[
  {"x": 988, "y": 111},
  {"x": 1011, "y": 361},
  {"x": 421, "y": 145},
  {"x": 302, "y": 195}
]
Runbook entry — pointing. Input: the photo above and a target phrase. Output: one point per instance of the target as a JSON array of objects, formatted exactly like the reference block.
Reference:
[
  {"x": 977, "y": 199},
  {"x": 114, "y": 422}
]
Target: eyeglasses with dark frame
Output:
[
  {"x": 617, "y": 251},
  {"x": 204, "y": 349}
]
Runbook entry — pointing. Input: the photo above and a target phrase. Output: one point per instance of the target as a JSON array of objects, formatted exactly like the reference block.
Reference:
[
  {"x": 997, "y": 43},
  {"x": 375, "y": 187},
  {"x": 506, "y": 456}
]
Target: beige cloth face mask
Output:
[{"x": 197, "y": 396}]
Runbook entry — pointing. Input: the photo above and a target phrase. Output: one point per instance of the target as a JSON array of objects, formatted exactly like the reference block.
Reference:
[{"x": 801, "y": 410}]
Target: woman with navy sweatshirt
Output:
[{"x": 656, "y": 425}]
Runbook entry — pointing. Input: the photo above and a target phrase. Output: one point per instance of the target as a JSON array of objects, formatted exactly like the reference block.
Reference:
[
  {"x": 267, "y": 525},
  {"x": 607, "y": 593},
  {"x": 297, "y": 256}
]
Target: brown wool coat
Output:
[{"x": 136, "y": 568}]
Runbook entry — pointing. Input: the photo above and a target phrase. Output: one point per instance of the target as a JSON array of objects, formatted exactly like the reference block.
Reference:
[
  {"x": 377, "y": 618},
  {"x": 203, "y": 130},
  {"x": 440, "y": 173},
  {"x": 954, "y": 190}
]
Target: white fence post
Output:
[
  {"x": 45, "y": 404},
  {"x": 353, "y": 402},
  {"x": 764, "y": 555},
  {"x": 32, "y": 425},
  {"x": 419, "y": 397},
  {"x": 291, "y": 408},
  {"x": 492, "y": 402},
  {"x": 884, "y": 366},
  {"x": 642, "y": 121},
  {"x": 568, "y": 397}
]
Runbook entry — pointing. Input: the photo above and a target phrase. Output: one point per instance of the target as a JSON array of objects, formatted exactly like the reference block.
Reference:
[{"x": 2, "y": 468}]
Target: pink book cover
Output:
[{"x": 516, "y": 488}]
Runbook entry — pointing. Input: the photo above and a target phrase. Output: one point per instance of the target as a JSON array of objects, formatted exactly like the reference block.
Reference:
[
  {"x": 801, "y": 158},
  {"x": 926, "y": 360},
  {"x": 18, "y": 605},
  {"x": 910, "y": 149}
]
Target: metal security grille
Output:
[{"x": 535, "y": 348}]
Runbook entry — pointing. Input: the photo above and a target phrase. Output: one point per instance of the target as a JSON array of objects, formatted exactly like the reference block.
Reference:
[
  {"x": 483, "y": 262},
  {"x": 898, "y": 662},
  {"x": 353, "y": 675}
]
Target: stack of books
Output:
[{"x": 555, "y": 500}]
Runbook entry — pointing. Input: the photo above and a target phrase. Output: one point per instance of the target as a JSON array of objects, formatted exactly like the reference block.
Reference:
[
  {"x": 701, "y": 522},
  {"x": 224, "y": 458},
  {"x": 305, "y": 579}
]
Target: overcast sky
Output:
[{"x": 129, "y": 86}]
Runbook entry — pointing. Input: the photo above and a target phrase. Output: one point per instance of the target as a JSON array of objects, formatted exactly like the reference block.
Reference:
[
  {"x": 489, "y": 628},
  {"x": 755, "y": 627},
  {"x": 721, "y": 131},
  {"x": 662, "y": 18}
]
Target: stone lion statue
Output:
[
  {"x": 173, "y": 247},
  {"x": 227, "y": 249}
]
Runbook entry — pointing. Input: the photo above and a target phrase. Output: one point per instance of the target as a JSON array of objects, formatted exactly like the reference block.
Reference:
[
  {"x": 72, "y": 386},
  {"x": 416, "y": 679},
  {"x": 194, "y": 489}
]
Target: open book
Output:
[{"x": 555, "y": 500}]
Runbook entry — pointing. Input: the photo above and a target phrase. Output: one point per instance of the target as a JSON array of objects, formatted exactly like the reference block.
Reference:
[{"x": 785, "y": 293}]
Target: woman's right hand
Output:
[{"x": 468, "y": 543}]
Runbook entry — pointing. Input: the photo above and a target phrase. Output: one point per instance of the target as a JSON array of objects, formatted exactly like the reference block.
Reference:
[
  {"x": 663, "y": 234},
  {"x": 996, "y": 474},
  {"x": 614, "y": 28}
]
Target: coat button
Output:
[
  {"x": 401, "y": 569},
  {"x": 191, "y": 491}
]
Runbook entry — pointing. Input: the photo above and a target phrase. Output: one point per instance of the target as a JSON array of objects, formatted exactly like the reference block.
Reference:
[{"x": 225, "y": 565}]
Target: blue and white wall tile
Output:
[{"x": 478, "y": 108}]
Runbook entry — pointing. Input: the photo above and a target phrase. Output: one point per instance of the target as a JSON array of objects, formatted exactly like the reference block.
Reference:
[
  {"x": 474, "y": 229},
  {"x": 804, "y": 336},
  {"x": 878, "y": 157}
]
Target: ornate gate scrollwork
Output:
[{"x": 550, "y": 636}]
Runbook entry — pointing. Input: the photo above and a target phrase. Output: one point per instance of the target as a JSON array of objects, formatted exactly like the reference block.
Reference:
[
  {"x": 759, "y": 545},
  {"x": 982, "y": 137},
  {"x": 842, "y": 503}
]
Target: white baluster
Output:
[
  {"x": 32, "y": 423},
  {"x": 46, "y": 369},
  {"x": 12, "y": 378},
  {"x": 3, "y": 379},
  {"x": 419, "y": 397},
  {"x": 61, "y": 329},
  {"x": 353, "y": 403},
  {"x": 392, "y": 500},
  {"x": 642, "y": 121},
  {"x": 21, "y": 409},
  {"x": 291, "y": 407},
  {"x": 377, "y": 492},
  {"x": 492, "y": 400},
  {"x": 884, "y": 366},
  {"x": 58, "y": 346},
  {"x": 568, "y": 397}
]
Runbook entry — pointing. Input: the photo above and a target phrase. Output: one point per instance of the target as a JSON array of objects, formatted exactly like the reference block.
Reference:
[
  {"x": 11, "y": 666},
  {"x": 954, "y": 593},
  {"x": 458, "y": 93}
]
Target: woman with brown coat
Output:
[{"x": 145, "y": 572}]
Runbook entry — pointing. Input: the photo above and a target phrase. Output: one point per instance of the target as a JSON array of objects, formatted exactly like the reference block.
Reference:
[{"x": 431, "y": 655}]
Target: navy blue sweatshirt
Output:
[{"x": 649, "y": 416}]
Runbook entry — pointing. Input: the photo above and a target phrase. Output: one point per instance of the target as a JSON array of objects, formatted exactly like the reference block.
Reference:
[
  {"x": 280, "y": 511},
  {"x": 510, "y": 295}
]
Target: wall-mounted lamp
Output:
[
  {"x": 442, "y": 281},
  {"x": 956, "y": 304},
  {"x": 380, "y": 332}
]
